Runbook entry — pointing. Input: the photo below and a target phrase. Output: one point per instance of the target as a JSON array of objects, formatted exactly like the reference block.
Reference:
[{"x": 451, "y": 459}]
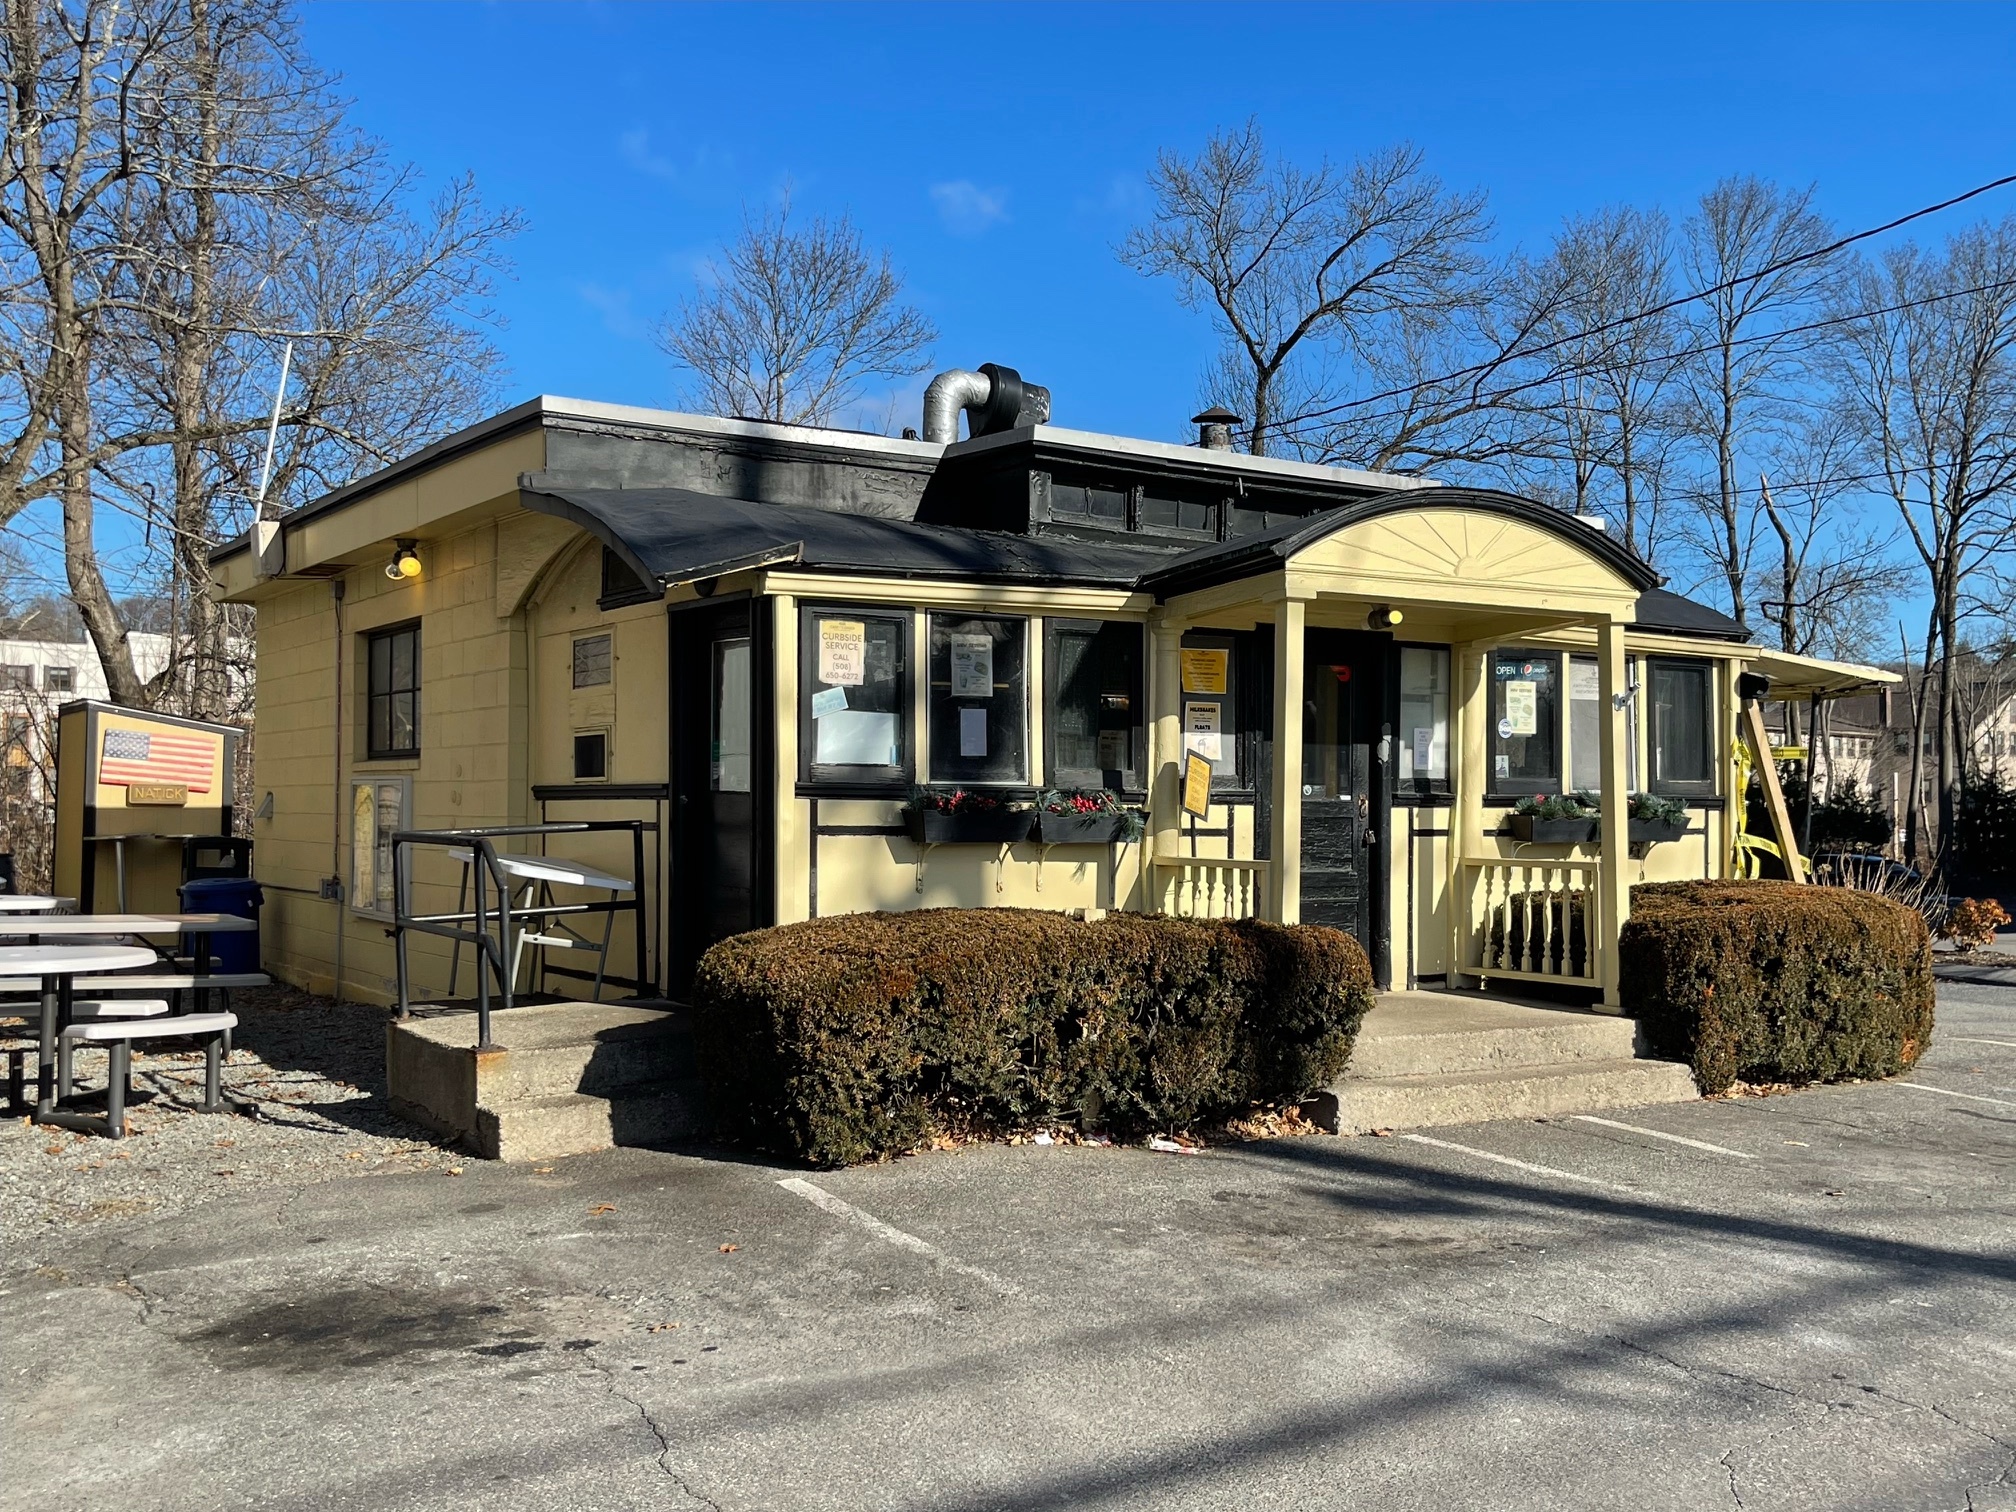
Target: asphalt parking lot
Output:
[{"x": 1805, "y": 1301}]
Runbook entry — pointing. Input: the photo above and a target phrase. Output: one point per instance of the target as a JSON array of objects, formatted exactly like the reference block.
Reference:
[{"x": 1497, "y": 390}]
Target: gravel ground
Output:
[{"x": 308, "y": 1078}]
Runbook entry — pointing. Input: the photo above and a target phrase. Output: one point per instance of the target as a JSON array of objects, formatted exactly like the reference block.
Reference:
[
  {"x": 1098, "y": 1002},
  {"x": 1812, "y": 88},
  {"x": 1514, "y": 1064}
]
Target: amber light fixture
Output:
[{"x": 405, "y": 563}]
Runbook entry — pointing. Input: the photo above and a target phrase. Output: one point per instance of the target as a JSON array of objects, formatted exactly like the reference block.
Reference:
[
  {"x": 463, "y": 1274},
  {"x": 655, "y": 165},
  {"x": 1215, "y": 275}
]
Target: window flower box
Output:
[
  {"x": 1080, "y": 829},
  {"x": 1089, "y": 816},
  {"x": 963, "y": 818},
  {"x": 1534, "y": 830},
  {"x": 1652, "y": 831}
]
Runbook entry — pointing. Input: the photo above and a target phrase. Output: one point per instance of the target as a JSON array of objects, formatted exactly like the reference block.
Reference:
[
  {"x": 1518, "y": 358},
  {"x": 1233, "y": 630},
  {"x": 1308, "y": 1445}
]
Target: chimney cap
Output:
[{"x": 1217, "y": 415}]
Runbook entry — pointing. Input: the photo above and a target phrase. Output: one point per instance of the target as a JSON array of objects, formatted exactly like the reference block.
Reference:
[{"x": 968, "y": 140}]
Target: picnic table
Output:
[
  {"x": 539, "y": 874},
  {"x": 58, "y": 966},
  {"x": 32, "y": 903}
]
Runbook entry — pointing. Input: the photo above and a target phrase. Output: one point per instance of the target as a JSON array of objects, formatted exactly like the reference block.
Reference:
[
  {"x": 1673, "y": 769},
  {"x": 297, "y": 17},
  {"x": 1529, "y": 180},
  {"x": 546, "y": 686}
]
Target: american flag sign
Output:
[{"x": 131, "y": 756}]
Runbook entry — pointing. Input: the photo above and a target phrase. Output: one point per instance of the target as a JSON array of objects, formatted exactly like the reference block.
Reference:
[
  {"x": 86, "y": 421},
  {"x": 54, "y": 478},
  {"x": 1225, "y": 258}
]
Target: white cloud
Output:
[
  {"x": 967, "y": 209},
  {"x": 636, "y": 149}
]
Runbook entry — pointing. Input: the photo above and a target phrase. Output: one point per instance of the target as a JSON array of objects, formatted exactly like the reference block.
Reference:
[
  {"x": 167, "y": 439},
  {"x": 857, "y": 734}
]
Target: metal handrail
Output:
[{"x": 493, "y": 951}]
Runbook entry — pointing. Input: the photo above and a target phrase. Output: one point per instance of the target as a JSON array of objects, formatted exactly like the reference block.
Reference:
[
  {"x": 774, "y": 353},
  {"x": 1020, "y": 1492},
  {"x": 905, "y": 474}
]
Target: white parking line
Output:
[
  {"x": 1692, "y": 1144},
  {"x": 819, "y": 1197},
  {"x": 1537, "y": 1170},
  {"x": 2000, "y": 1102},
  {"x": 1965, "y": 1040}
]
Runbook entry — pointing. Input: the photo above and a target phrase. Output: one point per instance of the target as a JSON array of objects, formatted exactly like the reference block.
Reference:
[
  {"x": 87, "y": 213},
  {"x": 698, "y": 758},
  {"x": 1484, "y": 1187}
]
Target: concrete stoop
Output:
[
  {"x": 1429, "y": 1058},
  {"x": 564, "y": 1079}
]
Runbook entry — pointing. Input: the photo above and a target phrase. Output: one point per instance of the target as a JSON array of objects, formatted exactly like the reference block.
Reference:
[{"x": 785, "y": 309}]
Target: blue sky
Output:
[{"x": 999, "y": 151}]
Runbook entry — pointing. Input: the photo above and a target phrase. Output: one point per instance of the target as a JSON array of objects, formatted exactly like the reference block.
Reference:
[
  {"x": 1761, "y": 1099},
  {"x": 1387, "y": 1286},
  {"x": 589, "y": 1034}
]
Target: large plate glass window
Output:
[
  {"x": 1525, "y": 722},
  {"x": 1092, "y": 695},
  {"x": 392, "y": 693},
  {"x": 979, "y": 701},
  {"x": 1424, "y": 719},
  {"x": 1679, "y": 698},
  {"x": 854, "y": 697},
  {"x": 1585, "y": 730}
]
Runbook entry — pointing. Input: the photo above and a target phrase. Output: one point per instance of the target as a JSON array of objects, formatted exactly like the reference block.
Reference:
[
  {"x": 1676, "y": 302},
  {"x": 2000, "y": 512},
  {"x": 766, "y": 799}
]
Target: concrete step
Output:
[
  {"x": 1562, "y": 1039},
  {"x": 545, "y": 1128},
  {"x": 1358, "y": 1105},
  {"x": 613, "y": 1061}
]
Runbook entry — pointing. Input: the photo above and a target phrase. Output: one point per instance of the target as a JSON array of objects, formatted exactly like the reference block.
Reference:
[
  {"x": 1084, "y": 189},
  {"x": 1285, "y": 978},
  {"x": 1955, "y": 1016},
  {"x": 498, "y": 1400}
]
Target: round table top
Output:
[
  {"x": 29, "y": 902},
  {"x": 66, "y": 960}
]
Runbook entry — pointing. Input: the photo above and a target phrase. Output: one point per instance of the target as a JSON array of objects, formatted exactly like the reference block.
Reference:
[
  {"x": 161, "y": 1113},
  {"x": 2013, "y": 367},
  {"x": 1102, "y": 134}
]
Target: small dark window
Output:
[
  {"x": 1092, "y": 688},
  {"x": 591, "y": 755},
  {"x": 619, "y": 582},
  {"x": 1100, "y": 503},
  {"x": 979, "y": 704},
  {"x": 1165, "y": 509},
  {"x": 854, "y": 697},
  {"x": 1525, "y": 722},
  {"x": 17, "y": 676},
  {"x": 592, "y": 662},
  {"x": 59, "y": 679},
  {"x": 392, "y": 693},
  {"x": 1681, "y": 748}
]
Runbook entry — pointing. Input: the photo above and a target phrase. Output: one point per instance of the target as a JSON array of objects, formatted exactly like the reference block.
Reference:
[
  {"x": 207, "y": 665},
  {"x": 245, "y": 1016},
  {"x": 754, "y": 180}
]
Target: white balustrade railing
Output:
[
  {"x": 1204, "y": 887},
  {"x": 1534, "y": 921}
]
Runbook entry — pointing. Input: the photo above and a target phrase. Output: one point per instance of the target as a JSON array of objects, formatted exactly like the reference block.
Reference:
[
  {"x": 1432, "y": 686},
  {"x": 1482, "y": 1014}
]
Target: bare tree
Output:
[
  {"x": 1926, "y": 376},
  {"x": 179, "y": 195},
  {"x": 1758, "y": 252},
  {"x": 1309, "y": 275},
  {"x": 795, "y": 323}
]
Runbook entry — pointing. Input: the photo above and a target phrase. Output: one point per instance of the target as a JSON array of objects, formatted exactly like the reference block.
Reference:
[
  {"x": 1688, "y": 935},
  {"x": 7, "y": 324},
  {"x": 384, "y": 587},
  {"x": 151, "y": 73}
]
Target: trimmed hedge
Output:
[
  {"x": 1777, "y": 982},
  {"x": 857, "y": 1037}
]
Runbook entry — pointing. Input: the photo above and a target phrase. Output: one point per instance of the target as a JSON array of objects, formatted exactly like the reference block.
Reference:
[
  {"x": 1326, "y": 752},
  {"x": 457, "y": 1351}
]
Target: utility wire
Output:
[
  {"x": 1672, "y": 304},
  {"x": 1293, "y": 424}
]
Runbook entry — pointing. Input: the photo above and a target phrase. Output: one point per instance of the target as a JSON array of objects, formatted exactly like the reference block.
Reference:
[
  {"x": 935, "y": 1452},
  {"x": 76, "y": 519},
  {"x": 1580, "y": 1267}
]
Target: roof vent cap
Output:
[{"x": 1214, "y": 428}]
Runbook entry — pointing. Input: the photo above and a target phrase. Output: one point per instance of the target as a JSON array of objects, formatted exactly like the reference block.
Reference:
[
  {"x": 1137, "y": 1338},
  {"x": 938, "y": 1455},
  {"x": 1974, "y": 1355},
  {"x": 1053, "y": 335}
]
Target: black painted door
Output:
[
  {"x": 1343, "y": 799},
  {"x": 716, "y": 777}
]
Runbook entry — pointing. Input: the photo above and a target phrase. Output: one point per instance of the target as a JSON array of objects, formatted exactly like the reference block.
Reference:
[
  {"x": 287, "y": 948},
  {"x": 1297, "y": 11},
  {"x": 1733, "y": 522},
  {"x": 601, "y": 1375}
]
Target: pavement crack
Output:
[
  {"x": 1726, "y": 1463},
  {"x": 613, "y": 1384}
]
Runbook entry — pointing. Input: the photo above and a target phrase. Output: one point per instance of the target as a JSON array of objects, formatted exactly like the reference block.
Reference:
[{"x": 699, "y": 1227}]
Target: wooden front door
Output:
[{"x": 1346, "y": 797}]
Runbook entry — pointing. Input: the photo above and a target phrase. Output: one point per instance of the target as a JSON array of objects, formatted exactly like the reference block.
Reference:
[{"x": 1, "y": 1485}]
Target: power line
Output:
[
  {"x": 1675, "y": 303},
  {"x": 1293, "y": 424}
]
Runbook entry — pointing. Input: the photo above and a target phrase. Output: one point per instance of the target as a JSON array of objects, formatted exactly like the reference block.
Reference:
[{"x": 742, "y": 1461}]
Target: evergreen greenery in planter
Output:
[
  {"x": 963, "y": 817},
  {"x": 1086, "y": 816},
  {"x": 1654, "y": 819},
  {"x": 1559, "y": 819}
]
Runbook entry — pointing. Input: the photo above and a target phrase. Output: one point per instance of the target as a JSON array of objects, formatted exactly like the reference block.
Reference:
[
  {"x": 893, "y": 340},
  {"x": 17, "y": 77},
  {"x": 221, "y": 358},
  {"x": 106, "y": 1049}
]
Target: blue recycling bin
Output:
[{"x": 227, "y": 895}]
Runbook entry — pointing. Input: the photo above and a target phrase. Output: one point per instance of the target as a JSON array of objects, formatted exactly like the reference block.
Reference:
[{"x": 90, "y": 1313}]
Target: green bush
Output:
[
  {"x": 1777, "y": 982},
  {"x": 859, "y": 1036}
]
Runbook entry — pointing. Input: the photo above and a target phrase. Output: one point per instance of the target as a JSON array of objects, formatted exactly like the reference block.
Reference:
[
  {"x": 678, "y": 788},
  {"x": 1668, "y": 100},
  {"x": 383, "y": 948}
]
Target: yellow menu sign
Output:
[
  {"x": 1196, "y": 785},
  {"x": 1204, "y": 670}
]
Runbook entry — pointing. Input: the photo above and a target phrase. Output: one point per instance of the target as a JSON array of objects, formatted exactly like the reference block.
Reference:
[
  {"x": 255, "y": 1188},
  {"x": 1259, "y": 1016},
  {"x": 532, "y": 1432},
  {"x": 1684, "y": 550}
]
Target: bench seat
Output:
[
  {"x": 118, "y": 1035},
  {"x": 172, "y": 981}
]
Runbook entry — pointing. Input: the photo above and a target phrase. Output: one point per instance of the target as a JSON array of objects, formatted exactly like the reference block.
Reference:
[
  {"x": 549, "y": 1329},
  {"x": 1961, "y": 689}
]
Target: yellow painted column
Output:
[
  {"x": 793, "y": 853},
  {"x": 1470, "y": 753},
  {"x": 1613, "y": 904},
  {"x": 1165, "y": 747},
  {"x": 1284, "y": 847}
]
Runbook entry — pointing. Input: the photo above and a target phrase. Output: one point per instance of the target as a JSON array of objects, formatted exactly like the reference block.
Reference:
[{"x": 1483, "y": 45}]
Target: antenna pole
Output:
[{"x": 273, "y": 431}]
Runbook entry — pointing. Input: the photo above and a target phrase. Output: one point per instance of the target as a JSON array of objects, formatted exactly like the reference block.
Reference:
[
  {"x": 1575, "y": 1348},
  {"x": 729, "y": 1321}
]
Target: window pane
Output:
[
  {"x": 591, "y": 755},
  {"x": 1680, "y": 724},
  {"x": 404, "y": 676},
  {"x": 57, "y": 679},
  {"x": 592, "y": 667},
  {"x": 379, "y": 739},
  {"x": 1525, "y": 722},
  {"x": 1424, "y": 714},
  {"x": 978, "y": 703},
  {"x": 853, "y": 680},
  {"x": 1092, "y": 712},
  {"x": 405, "y": 724},
  {"x": 733, "y": 750}
]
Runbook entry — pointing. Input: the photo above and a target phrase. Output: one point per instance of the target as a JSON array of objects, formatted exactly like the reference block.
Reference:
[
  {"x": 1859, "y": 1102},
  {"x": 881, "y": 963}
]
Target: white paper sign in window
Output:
[
  {"x": 843, "y": 659},
  {"x": 973, "y": 667},
  {"x": 1522, "y": 708},
  {"x": 1201, "y": 730}
]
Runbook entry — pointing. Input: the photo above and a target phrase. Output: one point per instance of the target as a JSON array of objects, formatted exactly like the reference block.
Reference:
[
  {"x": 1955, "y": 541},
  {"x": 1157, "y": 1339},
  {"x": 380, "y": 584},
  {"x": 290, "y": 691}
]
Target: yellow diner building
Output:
[{"x": 763, "y": 642}]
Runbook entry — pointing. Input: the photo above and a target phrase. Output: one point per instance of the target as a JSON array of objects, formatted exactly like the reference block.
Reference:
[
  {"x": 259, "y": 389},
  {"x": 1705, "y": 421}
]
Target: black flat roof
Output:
[{"x": 674, "y": 535}]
